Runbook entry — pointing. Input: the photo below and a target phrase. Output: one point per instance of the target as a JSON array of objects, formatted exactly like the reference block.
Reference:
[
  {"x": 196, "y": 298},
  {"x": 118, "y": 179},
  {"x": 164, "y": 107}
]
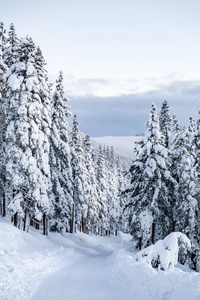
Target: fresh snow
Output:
[
  {"x": 83, "y": 267},
  {"x": 164, "y": 253}
]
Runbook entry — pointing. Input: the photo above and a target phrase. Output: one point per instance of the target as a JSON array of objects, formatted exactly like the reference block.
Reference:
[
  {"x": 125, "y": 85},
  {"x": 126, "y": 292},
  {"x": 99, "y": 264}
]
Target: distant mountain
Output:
[{"x": 123, "y": 145}]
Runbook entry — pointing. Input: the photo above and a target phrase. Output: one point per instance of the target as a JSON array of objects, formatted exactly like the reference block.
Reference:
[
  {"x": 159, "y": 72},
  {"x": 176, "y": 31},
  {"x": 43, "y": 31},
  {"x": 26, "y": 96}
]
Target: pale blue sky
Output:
[
  {"x": 112, "y": 38},
  {"x": 111, "y": 48}
]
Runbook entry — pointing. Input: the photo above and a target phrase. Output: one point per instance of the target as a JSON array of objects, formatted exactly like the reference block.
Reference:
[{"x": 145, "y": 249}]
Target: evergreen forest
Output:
[{"x": 52, "y": 178}]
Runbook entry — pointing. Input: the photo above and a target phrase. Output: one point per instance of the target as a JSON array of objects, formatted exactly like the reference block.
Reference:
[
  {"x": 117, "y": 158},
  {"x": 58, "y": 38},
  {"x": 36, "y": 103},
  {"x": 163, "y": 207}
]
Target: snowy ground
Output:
[{"x": 81, "y": 267}]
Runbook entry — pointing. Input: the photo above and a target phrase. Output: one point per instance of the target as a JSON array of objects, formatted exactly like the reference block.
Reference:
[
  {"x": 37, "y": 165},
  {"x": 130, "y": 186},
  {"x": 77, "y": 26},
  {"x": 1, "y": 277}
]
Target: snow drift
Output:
[
  {"x": 164, "y": 253},
  {"x": 82, "y": 267}
]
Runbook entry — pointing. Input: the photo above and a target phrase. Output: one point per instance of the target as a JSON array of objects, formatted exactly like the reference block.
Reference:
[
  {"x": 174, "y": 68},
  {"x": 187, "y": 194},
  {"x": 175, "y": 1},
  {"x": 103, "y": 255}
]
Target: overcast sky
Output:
[{"x": 117, "y": 56}]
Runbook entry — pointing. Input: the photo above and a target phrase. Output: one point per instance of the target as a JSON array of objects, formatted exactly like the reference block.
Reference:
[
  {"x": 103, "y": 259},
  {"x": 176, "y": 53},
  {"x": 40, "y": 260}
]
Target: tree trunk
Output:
[
  {"x": 174, "y": 226},
  {"x": 72, "y": 220},
  {"x": 31, "y": 222},
  {"x": 26, "y": 221},
  {"x": 153, "y": 232},
  {"x": 4, "y": 205},
  {"x": 45, "y": 224},
  {"x": 84, "y": 227},
  {"x": 17, "y": 220},
  {"x": 37, "y": 225},
  {"x": 140, "y": 243}
]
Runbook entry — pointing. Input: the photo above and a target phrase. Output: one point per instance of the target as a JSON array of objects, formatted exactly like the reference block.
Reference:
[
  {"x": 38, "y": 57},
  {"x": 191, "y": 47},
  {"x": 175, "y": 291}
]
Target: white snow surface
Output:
[
  {"x": 164, "y": 252},
  {"x": 82, "y": 267}
]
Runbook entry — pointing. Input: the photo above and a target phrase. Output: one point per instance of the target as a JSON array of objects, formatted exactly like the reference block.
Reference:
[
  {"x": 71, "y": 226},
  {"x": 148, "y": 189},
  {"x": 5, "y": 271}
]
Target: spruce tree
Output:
[
  {"x": 148, "y": 196},
  {"x": 91, "y": 205},
  {"x": 101, "y": 176},
  {"x": 196, "y": 144},
  {"x": 176, "y": 143},
  {"x": 3, "y": 67},
  {"x": 77, "y": 175},
  {"x": 122, "y": 183},
  {"x": 113, "y": 199},
  {"x": 26, "y": 179},
  {"x": 60, "y": 156},
  {"x": 11, "y": 49},
  {"x": 3, "y": 120},
  {"x": 186, "y": 208},
  {"x": 165, "y": 123}
]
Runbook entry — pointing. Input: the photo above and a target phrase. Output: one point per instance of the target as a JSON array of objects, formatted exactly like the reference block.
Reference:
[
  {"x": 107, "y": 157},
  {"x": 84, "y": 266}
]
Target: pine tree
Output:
[
  {"x": 91, "y": 205},
  {"x": 192, "y": 129},
  {"x": 148, "y": 196},
  {"x": 11, "y": 50},
  {"x": 101, "y": 176},
  {"x": 24, "y": 139},
  {"x": 113, "y": 195},
  {"x": 44, "y": 91},
  {"x": 77, "y": 174},
  {"x": 122, "y": 183},
  {"x": 176, "y": 143},
  {"x": 165, "y": 123},
  {"x": 186, "y": 208},
  {"x": 3, "y": 120},
  {"x": 196, "y": 144},
  {"x": 3, "y": 67},
  {"x": 60, "y": 156}
]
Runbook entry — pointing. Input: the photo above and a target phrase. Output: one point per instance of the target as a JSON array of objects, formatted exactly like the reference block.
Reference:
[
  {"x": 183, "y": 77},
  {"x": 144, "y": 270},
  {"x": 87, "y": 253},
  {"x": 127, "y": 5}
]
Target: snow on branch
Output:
[{"x": 164, "y": 253}]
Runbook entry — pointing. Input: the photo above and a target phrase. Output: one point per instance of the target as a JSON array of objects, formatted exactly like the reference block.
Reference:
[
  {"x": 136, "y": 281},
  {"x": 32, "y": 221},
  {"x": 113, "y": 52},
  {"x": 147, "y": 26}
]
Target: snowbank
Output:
[
  {"x": 85, "y": 267},
  {"x": 164, "y": 253},
  {"x": 26, "y": 260},
  {"x": 142, "y": 282}
]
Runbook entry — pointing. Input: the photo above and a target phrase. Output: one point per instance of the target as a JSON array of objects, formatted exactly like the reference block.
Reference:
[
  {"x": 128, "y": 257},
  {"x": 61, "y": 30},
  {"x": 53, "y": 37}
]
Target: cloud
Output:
[
  {"x": 126, "y": 115},
  {"x": 100, "y": 87},
  {"x": 121, "y": 107}
]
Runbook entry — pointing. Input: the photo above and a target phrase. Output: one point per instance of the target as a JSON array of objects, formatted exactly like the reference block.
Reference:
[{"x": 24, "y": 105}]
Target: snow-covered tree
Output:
[
  {"x": 3, "y": 67},
  {"x": 113, "y": 199},
  {"x": 11, "y": 52},
  {"x": 27, "y": 167},
  {"x": 148, "y": 196},
  {"x": 3, "y": 120},
  {"x": 165, "y": 123},
  {"x": 101, "y": 176},
  {"x": 91, "y": 205},
  {"x": 186, "y": 207},
  {"x": 60, "y": 156},
  {"x": 176, "y": 141},
  {"x": 44, "y": 92},
  {"x": 122, "y": 183},
  {"x": 196, "y": 144},
  {"x": 77, "y": 174}
]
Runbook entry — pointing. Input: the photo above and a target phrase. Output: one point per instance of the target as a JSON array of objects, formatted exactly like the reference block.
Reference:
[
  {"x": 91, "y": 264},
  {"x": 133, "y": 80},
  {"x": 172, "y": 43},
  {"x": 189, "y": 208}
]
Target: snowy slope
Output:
[
  {"x": 81, "y": 267},
  {"x": 123, "y": 145}
]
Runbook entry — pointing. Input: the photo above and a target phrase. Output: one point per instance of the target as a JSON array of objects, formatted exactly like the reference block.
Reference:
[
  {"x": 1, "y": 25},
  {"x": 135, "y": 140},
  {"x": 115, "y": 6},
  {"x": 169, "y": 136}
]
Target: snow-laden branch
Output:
[{"x": 164, "y": 253}]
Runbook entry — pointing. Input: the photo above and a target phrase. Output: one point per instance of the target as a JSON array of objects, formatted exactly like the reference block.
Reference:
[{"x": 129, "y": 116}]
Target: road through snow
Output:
[
  {"x": 82, "y": 267},
  {"x": 88, "y": 280},
  {"x": 104, "y": 270}
]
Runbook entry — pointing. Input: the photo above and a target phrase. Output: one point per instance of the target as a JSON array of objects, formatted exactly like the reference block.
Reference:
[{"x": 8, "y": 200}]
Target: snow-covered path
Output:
[
  {"x": 88, "y": 280},
  {"x": 90, "y": 276},
  {"x": 78, "y": 266}
]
